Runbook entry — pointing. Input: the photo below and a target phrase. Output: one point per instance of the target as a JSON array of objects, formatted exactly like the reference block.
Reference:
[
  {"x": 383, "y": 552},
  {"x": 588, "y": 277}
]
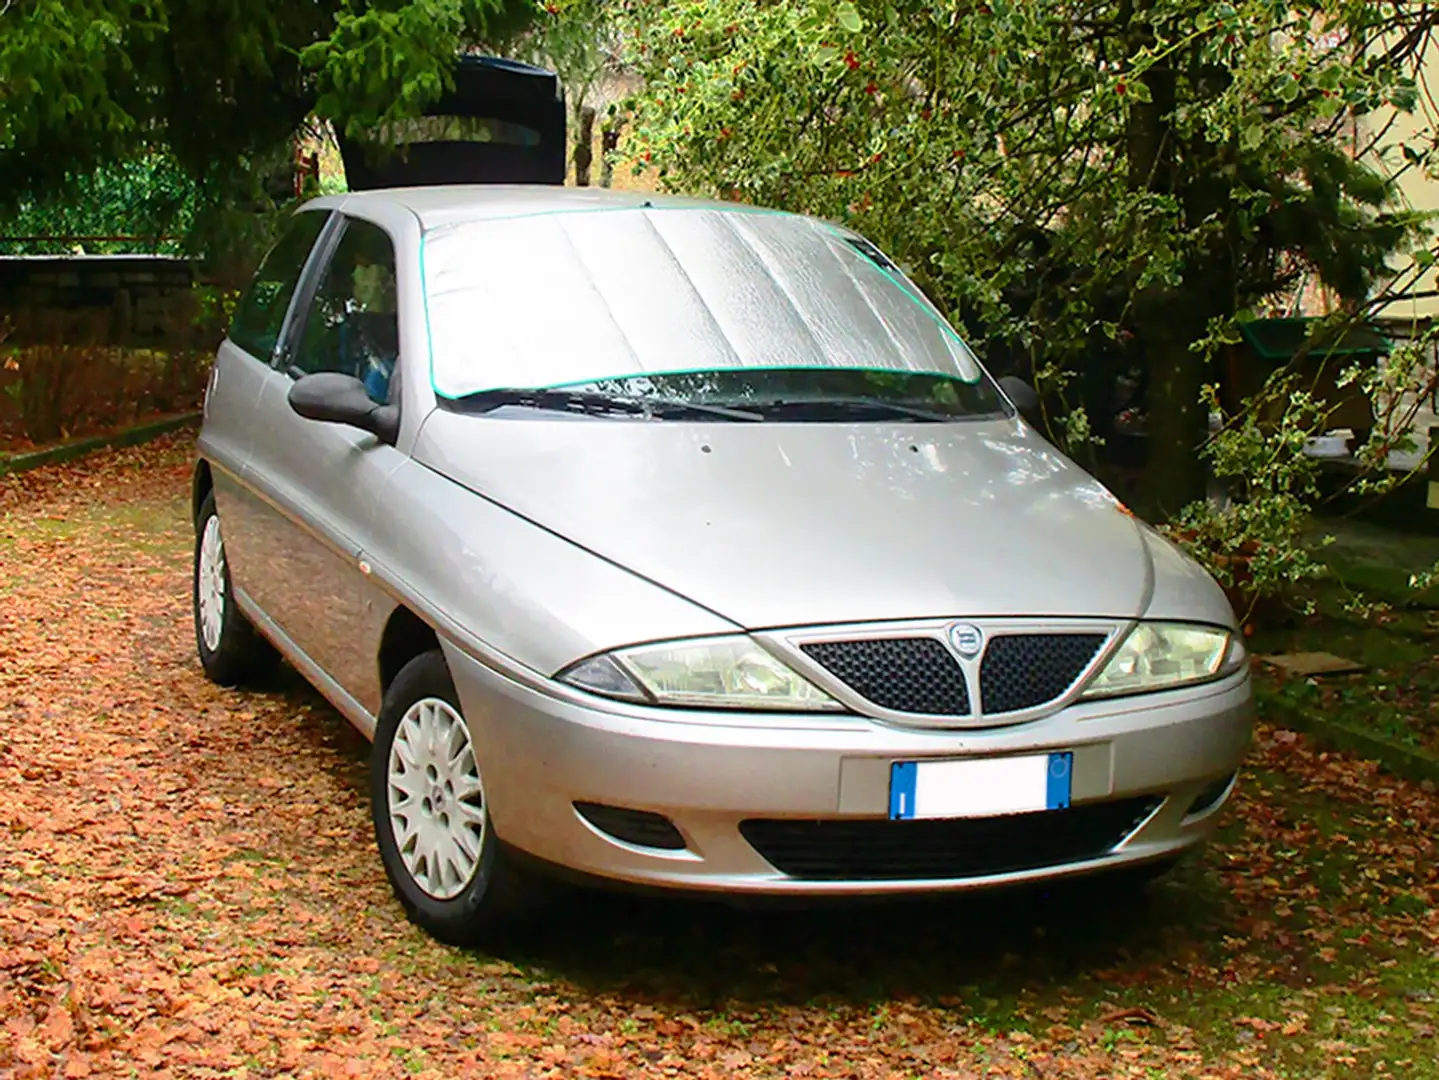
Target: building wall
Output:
[
  {"x": 1380, "y": 139},
  {"x": 1391, "y": 132},
  {"x": 98, "y": 299}
]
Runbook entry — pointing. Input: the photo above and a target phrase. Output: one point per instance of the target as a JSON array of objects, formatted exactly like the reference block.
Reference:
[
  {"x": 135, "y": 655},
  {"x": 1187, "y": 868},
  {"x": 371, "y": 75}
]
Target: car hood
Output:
[{"x": 772, "y": 525}]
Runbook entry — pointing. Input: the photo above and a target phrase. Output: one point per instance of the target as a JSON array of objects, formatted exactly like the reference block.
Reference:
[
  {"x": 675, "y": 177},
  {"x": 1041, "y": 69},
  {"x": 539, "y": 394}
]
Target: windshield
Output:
[{"x": 721, "y": 306}]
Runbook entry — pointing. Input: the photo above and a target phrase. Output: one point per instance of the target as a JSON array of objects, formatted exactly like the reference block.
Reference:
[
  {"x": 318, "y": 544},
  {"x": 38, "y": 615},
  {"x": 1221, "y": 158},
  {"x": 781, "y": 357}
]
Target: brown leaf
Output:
[
  {"x": 1137, "y": 1015},
  {"x": 59, "y": 1027}
]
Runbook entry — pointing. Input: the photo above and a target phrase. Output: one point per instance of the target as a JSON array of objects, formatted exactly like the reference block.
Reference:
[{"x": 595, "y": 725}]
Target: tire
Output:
[
  {"x": 231, "y": 651},
  {"x": 440, "y": 851}
]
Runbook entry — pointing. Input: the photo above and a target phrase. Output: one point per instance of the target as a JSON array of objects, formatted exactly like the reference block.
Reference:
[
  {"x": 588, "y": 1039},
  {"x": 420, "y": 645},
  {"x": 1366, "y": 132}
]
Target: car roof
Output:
[{"x": 439, "y": 206}]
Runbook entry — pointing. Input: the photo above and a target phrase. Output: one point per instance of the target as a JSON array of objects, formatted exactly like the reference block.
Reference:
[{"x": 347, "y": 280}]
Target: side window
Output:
[
  {"x": 258, "y": 316},
  {"x": 352, "y": 326}
]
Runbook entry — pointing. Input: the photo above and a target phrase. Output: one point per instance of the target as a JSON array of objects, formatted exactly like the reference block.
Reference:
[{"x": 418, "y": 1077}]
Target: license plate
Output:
[{"x": 979, "y": 787}]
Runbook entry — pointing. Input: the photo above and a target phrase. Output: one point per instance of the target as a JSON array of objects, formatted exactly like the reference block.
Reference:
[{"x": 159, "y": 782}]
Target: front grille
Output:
[
  {"x": 1024, "y": 671},
  {"x": 870, "y": 849},
  {"x": 908, "y": 675}
]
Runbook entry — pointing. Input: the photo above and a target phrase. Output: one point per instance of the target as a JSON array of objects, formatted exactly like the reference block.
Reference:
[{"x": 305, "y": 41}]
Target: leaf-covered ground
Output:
[{"x": 188, "y": 888}]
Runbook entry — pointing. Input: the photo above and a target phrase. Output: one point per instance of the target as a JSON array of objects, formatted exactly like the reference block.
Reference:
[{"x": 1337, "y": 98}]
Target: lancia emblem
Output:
[{"x": 967, "y": 640}]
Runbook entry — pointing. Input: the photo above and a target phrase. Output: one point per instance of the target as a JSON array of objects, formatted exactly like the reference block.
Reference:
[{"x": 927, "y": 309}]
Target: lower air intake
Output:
[
  {"x": 639, "y": 827},
  {"x": 870, "y": 849}
]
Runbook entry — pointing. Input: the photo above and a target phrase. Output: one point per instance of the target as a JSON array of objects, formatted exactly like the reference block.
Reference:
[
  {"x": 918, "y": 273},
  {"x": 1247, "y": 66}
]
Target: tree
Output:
[
  {"x": 220, "y": 85},
  {"x": 579, "y": 41},
  {"x": 1084, "y": 185}
]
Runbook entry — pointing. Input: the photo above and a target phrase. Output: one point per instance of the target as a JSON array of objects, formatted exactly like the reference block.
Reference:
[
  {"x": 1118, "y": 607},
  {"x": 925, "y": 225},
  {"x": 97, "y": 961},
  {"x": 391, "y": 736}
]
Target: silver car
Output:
[{"x": 685, "y": 544}]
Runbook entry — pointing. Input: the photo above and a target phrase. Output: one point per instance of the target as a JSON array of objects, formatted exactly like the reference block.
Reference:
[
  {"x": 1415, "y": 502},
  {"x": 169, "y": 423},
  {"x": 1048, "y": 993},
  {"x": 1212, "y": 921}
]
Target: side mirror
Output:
[
  {"x": 342, "y": 399},
  {"x": 1025, "y": 399}
]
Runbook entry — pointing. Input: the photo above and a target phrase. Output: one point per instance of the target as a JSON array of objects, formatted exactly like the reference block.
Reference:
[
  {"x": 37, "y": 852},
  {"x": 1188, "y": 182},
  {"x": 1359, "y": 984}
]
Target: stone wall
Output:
[{"x": 144, "y": 300}]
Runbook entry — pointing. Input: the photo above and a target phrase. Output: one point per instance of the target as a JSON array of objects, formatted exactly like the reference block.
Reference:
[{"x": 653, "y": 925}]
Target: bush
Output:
[
  {"x": 72, "y": 383},
  {"x": 1258, "y": 540}
]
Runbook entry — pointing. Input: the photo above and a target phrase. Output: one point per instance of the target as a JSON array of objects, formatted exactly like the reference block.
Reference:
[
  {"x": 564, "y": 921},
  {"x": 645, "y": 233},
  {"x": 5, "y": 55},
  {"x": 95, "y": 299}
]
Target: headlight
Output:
[
  {"x": 1160, "y": 656},
  {"x": 713, "y": 673}
]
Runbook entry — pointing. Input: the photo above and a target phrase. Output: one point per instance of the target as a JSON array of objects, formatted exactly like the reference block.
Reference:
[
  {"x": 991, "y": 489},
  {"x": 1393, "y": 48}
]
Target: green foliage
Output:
[
  {"x": 383, "y": 62},
  {"x": 578, "y": 40},
  {"x": 149, "y": 199},
  {"x": 1272, "y": 485},
  {"x": 954, "y": 135},
  {"x": 221, "y": 85}
]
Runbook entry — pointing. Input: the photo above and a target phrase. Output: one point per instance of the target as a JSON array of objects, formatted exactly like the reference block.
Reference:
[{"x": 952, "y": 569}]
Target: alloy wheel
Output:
[
  {"x": 436, "y": 799},
  {"x": 210, "y": 584}
]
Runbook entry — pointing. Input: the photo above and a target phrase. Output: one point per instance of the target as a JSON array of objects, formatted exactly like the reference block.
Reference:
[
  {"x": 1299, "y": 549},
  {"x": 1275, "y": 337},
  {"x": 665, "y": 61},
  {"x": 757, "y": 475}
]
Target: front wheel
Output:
[
  {"x": 231, "y": 650},
  {"x": 432, "y": 822}
]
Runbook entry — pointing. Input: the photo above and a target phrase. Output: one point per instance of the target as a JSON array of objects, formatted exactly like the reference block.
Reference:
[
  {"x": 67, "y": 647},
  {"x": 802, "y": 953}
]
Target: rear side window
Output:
[{"x": 256, "y": 326}]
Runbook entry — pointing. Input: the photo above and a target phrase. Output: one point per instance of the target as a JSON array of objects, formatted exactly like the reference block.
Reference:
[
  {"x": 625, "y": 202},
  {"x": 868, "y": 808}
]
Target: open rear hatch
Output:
[{"x": 503, "y": 123}]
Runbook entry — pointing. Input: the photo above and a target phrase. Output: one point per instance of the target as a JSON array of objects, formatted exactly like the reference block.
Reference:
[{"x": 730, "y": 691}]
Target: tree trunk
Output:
[
  {"x": 585, "y": 146},
  {"x": 609, "y": 142},
  {"x": 1178, "y": 422},
  {"x": 1168, "y": 320}
]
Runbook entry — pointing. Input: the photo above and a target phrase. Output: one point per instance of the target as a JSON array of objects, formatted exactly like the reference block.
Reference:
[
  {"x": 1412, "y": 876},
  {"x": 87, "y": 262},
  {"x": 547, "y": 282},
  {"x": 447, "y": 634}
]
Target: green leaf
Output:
[{"x": 849, "y": 17}]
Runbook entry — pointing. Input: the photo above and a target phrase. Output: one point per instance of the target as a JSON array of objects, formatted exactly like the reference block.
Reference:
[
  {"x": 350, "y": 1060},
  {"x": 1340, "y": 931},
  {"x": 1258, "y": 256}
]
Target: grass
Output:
[{"x": 1397, "y": 697}]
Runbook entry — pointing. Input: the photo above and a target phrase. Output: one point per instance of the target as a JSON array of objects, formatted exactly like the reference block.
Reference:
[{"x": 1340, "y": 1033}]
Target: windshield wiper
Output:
[
  {"x": 595, "y": 403},
  {"x": 845, "y": 408}
]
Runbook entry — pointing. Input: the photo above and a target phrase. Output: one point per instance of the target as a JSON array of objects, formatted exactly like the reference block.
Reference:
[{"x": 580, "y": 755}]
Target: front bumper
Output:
[{"x": 542, "y": 749}]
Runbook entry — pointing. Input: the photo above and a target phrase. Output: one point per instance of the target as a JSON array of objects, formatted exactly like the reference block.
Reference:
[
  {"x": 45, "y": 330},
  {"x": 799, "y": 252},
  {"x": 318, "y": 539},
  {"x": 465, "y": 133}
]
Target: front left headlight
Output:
[
  {"x": 1162, "y": 656},
  {"x": 711, "y": 673}
]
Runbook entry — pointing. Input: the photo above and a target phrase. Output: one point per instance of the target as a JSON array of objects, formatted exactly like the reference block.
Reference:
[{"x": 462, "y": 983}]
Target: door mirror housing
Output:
[
  {"x": 342, "y": 399},
  {"x": 1024, "y": 396}
]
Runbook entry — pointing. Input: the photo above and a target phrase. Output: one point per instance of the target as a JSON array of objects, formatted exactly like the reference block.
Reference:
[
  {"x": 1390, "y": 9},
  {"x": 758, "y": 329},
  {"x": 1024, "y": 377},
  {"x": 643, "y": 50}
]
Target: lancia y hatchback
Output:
[{"x": 684, "y": 544}]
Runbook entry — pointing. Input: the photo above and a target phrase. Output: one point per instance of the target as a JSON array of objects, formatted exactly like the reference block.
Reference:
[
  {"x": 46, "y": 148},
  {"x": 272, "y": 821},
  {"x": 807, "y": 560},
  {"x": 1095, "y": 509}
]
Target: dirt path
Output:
[{"x": 188, "y": 888}]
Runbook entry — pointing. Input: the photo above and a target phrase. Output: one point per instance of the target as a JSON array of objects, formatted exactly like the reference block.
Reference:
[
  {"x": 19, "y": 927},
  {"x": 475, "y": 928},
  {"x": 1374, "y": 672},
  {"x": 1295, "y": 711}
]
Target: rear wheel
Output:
[
  {"x": 431, "y": 818},
  {"x": 231, "y": 650}
]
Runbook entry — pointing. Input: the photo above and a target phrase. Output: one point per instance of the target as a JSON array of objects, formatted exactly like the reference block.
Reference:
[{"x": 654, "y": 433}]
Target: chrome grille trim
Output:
[{"x": 788, "y": 644}]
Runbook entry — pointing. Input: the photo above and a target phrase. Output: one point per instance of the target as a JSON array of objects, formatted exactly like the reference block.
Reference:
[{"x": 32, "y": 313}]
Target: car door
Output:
[
  {"x": 320, "y": 482},
  {"x": 237, "y": 379}
]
